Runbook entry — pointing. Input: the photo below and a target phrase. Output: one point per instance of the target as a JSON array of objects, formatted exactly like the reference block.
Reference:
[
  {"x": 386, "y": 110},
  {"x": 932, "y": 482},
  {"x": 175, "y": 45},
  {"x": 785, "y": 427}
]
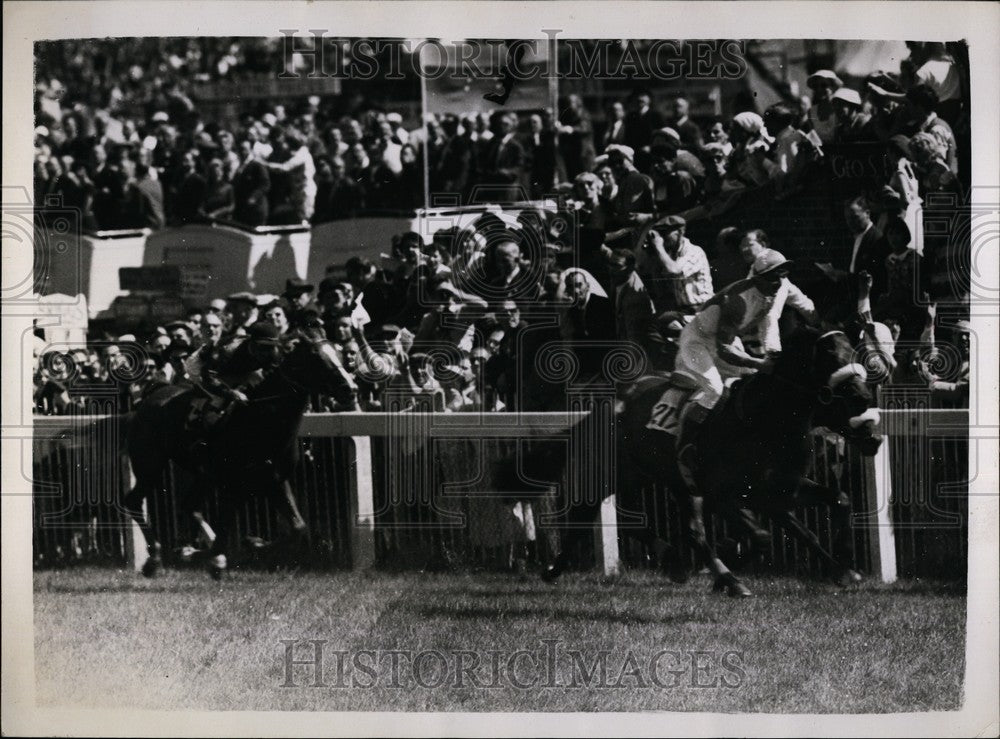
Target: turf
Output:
[{"x": 110, "y": 638}]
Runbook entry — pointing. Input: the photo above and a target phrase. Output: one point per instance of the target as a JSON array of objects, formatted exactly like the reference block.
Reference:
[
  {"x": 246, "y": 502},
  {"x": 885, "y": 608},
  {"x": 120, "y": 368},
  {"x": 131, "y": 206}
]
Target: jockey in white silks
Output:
[{"x": 710, "y": 350}]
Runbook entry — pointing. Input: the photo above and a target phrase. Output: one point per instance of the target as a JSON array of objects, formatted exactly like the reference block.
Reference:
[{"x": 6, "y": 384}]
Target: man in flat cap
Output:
[
  {"x": 299, "y": 295},
  {"x": 676, "y": 272}
]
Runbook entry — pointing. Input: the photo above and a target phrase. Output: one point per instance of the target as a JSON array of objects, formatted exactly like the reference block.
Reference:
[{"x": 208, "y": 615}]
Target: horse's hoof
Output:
[
  {"x": 677, "y": 573},
  {"x": 217, "y": 566},
  {"x": 154, "y": 562},
  {"x": 551, "y": 573},
  {"x": 151, "y": 566},
  {"x": 848, "y": 577},
  {"x": 738, "y": 590}
]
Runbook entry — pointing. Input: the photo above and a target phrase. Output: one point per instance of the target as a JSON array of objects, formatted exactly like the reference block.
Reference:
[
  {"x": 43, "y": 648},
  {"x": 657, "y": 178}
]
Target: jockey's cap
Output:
[
  {"x": 767, "y": 261},
  {"x": 263, "y": 332}
]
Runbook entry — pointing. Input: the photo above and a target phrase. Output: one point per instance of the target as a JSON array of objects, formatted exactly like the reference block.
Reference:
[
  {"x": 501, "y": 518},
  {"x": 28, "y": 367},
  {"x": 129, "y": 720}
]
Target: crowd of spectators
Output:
[{"x": 450, "y": 318}]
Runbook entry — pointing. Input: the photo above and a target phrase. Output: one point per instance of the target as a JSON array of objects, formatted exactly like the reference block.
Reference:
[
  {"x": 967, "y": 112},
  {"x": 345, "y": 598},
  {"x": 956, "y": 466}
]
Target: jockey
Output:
[
  {"x": 710, "y": 350},
  {"x": 244, "y": 366}
]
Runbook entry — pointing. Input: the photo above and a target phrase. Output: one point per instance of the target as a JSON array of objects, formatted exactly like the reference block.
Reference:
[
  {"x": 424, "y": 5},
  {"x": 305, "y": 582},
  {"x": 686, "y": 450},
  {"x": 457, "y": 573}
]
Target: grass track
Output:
[{"x": 109, "y": 638}]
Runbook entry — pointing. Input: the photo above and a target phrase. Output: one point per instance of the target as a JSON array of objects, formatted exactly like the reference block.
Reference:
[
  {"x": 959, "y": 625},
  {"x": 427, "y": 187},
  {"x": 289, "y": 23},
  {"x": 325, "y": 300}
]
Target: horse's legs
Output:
[
  {"x": 724, "y": 578},
  {"x": 134, "y": 499},
  {"x": 842, "y": 574},
  {"x": 813, "y": 494}
]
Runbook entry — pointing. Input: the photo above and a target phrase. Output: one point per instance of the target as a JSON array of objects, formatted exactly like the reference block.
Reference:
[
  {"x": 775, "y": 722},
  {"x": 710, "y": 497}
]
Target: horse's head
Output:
[
  {"x": 839, "y": 384},
  {"x": 312, "y": 364}
]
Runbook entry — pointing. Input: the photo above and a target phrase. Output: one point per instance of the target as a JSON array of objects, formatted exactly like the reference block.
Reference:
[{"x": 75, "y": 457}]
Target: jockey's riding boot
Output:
[{"x": 692, "y": 424}]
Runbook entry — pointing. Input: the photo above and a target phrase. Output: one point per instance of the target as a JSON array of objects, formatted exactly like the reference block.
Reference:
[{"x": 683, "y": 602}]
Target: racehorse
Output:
[
  {"x": 255, "y": 450},
  {"x": 753, "y": 451}
]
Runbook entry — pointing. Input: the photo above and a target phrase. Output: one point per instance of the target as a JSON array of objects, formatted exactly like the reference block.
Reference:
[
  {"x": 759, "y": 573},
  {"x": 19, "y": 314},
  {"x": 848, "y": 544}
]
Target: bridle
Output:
[{"x": 827, "y": 393}]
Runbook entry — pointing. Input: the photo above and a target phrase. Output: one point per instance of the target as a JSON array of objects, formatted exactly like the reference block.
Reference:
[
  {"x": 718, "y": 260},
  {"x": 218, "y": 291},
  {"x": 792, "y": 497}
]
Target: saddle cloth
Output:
[{"x": 669, "y": 411}]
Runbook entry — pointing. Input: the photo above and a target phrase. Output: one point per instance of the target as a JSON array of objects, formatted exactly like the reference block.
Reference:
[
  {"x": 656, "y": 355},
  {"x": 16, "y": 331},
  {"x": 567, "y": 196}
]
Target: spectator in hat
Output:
[
  {"x": 586, "y": 321},
  {"x": 502, "y": 165},
  {"x": 852, "y": 121},
  {"x": 241, "y": 310},
  {"x": 189, "y": 190},
  {"x": 576, "y": 137},
  {"x": 298, "y": 293},
  {"x": 633, "y": 204},
  {"x": 641, "y": 120},
  {"x": 905, "y": 283},
  {"x": 251, "y": 185},
  {"x": 614, "y": 132},
  {"x": 543, "y": 154},
  {"x": 749, "y": 164},
  {"x": 591, "y": 209},
  {"x": 690, "y": 133},
  {"x": 277, "y": 313},
  {"x": 675, "y": 271},
  {"x": 822, "y": 115},
  {"x": 789, "y": 143},
  {"x": 301, "y": 169},
  {"x": 219, "y": 199},
  {"x": 930, "y": 155},
  {"x": 727, "y": 264},
  {"x": 885, "y": 97},
  {"x": 922, "y": 103},
  {"x": 905, "y": 184},
  {"x": 941, "y": 74},
  {"x": 451, "y": 321},
  {"x": 634, "y": 313}
]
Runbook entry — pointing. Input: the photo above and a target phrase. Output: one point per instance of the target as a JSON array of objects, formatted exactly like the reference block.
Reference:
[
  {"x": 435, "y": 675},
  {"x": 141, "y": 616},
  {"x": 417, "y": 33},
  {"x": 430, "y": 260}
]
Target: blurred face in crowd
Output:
[
  {"x": 642, "y": 102},
  {"x": 349, "y": 353},
  {"x": 858, "y": 218},
  {"x": 607, "y": 177},
  {"x": 432, "y": 257},
  {"x": 845, "y": 111},
  {"x": 241, "y": 313},
  {"x": 750, "y": 248},
  {"x": 226, "y": 141},
  {"x": 246, "y": 150},
  {"x": 215, "y": 170},
  {"x": 510, "y": 313},
  {"x": 211, "y": 328},
  {"x": 276, "y": 316},
  {"x": 100, "y": 155},
  {"x": 588, "y": 189},
  {"x": 769, "y": 282},
  {"x": 180, "y": 335},
  {"x": 422, "y": 373},
  {"x": 342, "y": 330},
  {"x": 508, "y": 257},
  {"x": 577, "y": 288},
  {"x": 536, "y": 123},
  {"x": 680, "y": 109},
  {"x": 673, "y": 239},
  {"x": 408, "y": 155},
  {"x": 822, "y": 90},
  {"x": 717, "y": 133},
  {"x": 188, "y": 162},
  {"x": 620, "y": 165},
  {"x": 619, "y": 270},
  {"x": 494, "y": 341},
  {"x": 617, "y": 111}
]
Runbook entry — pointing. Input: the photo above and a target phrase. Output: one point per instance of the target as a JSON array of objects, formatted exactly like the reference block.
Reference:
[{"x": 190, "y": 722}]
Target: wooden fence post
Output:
[
  {"x": 362, "y": 497},
  {"x": 878, "y": 498}
]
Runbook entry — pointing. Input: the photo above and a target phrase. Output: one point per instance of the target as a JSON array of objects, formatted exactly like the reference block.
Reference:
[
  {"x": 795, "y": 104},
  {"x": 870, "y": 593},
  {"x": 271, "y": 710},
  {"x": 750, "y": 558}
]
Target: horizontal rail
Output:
[{"x": 936, "y": 422}]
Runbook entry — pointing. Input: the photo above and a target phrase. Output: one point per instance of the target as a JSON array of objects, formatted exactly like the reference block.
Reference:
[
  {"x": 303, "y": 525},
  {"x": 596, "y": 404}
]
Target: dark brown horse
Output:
[
  {"x": 254, "y": 451},
  {"x": 753, "y": 451}
]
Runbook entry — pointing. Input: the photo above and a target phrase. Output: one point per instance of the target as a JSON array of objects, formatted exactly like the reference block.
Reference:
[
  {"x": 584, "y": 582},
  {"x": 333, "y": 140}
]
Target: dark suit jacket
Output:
[
  {"x": 577, "y": 148},
  {"x": 594, "y": 325},
  {"x": 871, "y": 258},
  {"x": 251, "y": 185},
  {"x": 639, "y": 128},
  {"x": 505, "y": 169},
  {"x": 544, "y": 160}
]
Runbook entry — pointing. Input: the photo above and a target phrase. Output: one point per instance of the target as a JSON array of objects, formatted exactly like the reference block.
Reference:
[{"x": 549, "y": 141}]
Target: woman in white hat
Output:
[{"x": 822, "y": 116}]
